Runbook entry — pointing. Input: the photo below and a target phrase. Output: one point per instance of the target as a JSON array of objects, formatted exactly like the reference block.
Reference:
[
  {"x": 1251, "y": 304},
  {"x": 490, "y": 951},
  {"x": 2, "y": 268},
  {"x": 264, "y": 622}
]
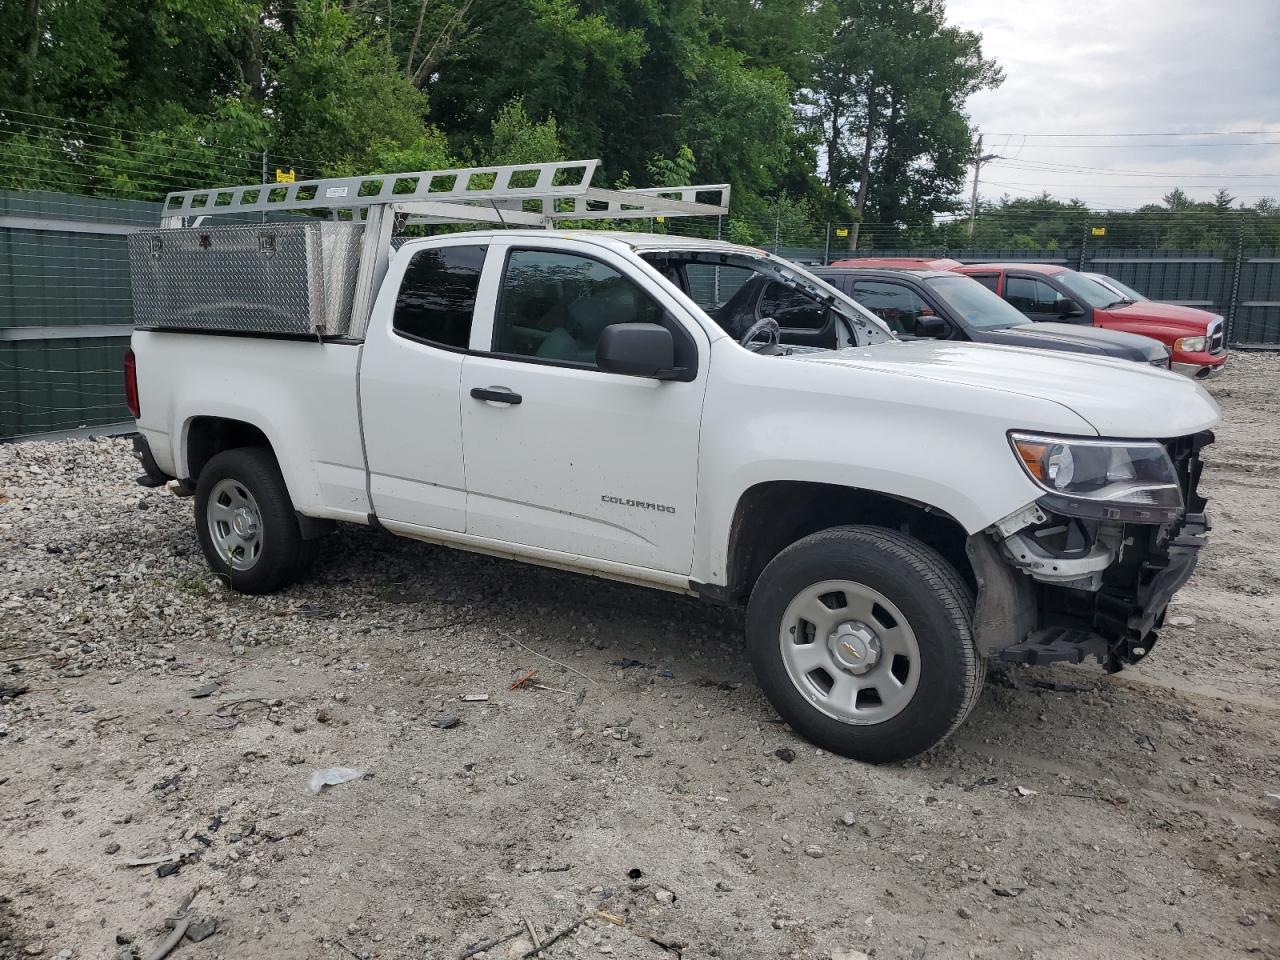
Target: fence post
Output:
[
  {"x": 777, "y": 231},
  {"x": 1234, "y": 301},
  {"x": 826, "y": 247},
  {"x": 716, "y": 276},
  {"x": 1084, "y": 243}
]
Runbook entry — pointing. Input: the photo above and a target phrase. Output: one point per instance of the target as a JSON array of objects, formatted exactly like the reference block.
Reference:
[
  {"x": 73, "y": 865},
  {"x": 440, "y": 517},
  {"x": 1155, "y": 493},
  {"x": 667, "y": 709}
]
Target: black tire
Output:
[
  {"x": 930, "y": 594},
  {"x": 285, "y": 556}
]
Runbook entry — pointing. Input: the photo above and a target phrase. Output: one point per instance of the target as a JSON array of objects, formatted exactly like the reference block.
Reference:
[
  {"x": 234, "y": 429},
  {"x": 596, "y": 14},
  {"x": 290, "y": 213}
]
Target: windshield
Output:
[
  {"x": 978, "y": 305},
  {"x": 718, "y": 278},
  {"x": 1124, "y": 290},
  {"x": 1084, "y": 291}
]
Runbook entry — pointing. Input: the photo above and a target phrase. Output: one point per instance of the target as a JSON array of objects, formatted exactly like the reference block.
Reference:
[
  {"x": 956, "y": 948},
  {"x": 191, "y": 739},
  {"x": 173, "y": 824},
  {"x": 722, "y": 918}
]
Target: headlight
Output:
[
  {"x": 1190, "y": 344},
  {"x": 1104, "y": 479}
]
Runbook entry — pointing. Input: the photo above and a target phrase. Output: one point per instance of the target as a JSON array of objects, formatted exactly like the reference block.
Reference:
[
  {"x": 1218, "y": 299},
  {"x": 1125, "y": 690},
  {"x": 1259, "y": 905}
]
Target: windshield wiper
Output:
[{"x": 1120, "y": 303}]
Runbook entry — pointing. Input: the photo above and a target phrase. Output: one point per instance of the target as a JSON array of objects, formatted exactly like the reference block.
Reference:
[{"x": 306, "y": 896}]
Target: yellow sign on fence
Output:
[
  {"x": 1098, "y": 231},
  {"x": 842, "y": 231},
  {"x": 283, "y": 177}
]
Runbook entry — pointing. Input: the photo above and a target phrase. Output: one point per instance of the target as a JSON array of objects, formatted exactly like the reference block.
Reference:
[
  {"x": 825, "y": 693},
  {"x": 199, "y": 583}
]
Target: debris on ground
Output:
[
  {"x": 332, "y": 777},
  {"x": 538, "y": 803}
]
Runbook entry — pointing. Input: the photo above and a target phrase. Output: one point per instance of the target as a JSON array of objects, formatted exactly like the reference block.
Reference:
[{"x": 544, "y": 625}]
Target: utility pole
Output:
[{"x": 979, "y": 159}]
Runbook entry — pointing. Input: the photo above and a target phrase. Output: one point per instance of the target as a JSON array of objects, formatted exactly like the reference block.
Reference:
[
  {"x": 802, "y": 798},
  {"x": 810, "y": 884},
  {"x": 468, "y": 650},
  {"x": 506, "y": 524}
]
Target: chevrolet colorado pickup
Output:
[{"x": 891, "y": 515}]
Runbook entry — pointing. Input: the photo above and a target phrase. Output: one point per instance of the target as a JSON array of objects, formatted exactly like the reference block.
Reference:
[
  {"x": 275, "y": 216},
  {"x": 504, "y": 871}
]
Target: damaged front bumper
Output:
[{"x": 1056, "y": 588}]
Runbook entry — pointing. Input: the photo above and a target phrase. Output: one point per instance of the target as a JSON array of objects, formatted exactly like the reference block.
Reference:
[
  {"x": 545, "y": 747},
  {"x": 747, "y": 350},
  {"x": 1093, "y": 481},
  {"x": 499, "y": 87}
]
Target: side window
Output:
[
  {"x": 1030, "y": 296},
  {"x": 554, "y": 306},
  {"x": 895, "y": 304},
  {"x": 988, "y": 280},
  {"x": 438, "y": 295},
  {"x": 792, "y": 309}
]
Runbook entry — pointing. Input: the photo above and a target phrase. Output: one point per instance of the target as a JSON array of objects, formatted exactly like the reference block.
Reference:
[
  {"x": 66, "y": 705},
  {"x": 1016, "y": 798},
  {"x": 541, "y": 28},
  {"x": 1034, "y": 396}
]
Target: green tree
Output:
[{"x": 888, "y": 98}]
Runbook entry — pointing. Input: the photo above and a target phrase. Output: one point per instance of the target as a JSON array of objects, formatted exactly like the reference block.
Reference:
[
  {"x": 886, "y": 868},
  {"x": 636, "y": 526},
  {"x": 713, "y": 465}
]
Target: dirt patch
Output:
[{"x": 654, "y": 808}]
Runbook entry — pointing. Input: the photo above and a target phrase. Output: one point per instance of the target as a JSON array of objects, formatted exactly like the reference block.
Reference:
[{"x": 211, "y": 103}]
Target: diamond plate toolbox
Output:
[{"x": 295, "y": 278}]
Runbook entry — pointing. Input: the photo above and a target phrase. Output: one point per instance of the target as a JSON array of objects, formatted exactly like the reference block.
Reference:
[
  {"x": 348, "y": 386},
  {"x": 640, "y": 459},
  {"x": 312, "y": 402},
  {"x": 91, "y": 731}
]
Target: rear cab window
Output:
[{"x": 437, "y": 296}]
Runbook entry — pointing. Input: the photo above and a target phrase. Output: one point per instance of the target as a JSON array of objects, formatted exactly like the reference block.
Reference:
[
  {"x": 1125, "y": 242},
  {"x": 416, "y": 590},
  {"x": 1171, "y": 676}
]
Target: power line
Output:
[
  {"x": 1176, "y": 133},
  {"x": 1052, "y": 167},
  {"x": 1150, "y": 146}
]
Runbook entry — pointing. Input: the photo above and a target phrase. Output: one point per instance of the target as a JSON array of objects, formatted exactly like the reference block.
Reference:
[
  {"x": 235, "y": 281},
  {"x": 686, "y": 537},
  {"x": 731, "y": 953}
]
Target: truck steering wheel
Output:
[{"x": 765, "y": 325}]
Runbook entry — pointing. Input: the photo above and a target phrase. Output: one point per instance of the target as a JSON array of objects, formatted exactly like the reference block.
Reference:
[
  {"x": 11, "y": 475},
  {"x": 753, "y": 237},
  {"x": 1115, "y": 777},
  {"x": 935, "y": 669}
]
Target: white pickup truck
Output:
[{"x": 891, "y": 514}]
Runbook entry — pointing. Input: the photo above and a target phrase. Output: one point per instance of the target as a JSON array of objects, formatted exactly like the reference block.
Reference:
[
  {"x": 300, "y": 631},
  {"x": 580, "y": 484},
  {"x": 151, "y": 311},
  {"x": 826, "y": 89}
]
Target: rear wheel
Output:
[
  {"x": 861, "y": 638},
  {"x": 246, "y": 523}
]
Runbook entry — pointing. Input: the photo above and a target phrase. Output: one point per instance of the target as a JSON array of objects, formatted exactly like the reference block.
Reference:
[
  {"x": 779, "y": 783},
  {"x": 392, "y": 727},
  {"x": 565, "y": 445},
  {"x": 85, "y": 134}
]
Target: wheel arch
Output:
[
  {"x": 204, "y": 437},
  {"x": 772, "y": 515}
]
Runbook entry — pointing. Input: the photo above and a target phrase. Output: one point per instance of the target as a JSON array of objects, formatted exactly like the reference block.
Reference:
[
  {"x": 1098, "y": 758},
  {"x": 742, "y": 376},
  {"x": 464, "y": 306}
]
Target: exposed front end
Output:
[{"x": 1090, "y": 568}]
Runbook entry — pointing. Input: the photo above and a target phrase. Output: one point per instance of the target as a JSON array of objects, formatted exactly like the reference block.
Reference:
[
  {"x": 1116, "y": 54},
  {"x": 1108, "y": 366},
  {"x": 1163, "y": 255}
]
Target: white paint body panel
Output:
[
  {"x": 926, "y": 421},
  {"x": 543, "y": 473},
  {"x": 300, "y": 394}
]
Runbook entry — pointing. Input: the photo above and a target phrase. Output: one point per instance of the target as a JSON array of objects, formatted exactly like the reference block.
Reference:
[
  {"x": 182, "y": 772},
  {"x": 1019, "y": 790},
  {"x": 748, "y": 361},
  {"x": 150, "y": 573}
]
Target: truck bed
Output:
[{"x": 309, "y": 388}]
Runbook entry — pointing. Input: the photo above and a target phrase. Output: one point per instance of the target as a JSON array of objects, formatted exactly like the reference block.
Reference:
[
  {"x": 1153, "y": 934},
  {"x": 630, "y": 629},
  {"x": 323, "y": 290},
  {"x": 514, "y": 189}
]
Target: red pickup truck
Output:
[{"x": 1196, "y": 338}]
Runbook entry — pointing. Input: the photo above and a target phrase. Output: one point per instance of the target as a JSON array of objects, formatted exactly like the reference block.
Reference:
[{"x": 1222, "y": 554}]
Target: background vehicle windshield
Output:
[
  {"x": 1123, "y": 289},
  {"x": 975, "y": 303},
  {"x": 1084, "y": 291}
]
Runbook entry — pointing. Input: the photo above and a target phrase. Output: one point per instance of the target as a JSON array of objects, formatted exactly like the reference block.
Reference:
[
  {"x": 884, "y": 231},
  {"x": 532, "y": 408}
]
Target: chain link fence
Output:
[{"x": 66, "y": 311}]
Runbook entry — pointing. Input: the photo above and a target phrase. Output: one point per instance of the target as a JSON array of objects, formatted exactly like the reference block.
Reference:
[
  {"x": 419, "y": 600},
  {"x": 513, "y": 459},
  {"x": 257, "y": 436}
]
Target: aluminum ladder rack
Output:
[{"x": 522, "y": 194}]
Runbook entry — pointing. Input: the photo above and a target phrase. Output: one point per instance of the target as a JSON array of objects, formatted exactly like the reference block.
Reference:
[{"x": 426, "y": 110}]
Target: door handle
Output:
[{"x": 496, "y": 395}]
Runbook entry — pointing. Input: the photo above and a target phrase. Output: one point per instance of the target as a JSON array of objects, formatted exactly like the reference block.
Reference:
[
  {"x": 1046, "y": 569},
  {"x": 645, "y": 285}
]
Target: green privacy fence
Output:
[
  {"x": 1241, "y": 284},
  {"x": 65, "y": 311}
]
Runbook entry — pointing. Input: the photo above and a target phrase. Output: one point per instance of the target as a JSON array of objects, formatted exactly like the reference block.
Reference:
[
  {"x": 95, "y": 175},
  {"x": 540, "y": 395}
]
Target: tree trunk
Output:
[
  {"x": 413, "y": 47},
  {"x": 833, "y": 145},
  {"x": 456, "y": 25},
  {"x": 33, "y": 52},
  {"x": 864, "y": 180}
]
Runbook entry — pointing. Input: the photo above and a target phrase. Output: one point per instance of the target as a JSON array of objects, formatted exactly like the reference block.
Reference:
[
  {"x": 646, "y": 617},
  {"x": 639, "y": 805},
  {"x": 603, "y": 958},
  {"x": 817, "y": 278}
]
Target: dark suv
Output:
[{"x": 930, "y": 303}]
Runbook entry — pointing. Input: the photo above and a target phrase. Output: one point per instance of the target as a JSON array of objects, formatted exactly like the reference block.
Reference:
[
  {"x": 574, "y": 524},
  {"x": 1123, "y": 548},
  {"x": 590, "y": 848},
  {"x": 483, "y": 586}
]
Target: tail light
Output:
[{"x": 131, "y": 384}]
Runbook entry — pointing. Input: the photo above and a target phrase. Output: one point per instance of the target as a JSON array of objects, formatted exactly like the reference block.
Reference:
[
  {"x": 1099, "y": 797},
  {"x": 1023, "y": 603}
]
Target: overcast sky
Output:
[{"x": 1129, "y": 66}]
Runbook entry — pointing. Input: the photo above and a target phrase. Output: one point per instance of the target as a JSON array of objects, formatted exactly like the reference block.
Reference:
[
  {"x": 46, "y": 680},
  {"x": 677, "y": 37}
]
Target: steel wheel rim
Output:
[
  {"x": 235, "y": 524},
  {"x": 850, "y": 652}
]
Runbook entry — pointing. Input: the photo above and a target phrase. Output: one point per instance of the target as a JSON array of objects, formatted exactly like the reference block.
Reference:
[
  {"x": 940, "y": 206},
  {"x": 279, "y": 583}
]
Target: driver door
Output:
[{"x": 560, "y": 455}]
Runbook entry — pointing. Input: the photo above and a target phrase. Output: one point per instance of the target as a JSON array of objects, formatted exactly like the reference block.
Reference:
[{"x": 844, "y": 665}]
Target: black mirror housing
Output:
[
  {"x": 637, "y": 350},
  {"x": 1067, "y": 307},
  {"x": 930, "y": 326}
]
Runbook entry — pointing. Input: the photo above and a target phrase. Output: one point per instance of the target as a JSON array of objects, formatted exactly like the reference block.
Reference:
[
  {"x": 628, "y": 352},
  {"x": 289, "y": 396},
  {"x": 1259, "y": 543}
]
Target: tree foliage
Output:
[{"x": 839, "y": 107}]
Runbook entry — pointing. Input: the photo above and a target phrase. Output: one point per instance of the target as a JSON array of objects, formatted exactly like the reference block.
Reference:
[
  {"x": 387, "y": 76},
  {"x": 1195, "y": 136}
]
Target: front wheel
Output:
[
  {"x": 246, "y": 523},
  {"x": 862, "y": 640}
]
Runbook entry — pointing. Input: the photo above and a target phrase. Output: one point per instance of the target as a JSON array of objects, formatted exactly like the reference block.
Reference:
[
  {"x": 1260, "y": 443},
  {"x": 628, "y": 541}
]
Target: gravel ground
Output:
[{"x": 644, "y": 797}]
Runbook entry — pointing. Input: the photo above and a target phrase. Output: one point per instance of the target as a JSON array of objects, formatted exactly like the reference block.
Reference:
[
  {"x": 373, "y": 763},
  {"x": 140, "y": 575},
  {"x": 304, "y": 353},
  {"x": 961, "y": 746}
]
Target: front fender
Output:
[{"x": 944, "y": 446}]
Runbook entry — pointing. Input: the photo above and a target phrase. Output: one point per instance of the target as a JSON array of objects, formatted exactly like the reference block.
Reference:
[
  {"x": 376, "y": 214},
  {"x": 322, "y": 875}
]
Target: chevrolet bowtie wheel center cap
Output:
[{"x": 855, "y": 647}]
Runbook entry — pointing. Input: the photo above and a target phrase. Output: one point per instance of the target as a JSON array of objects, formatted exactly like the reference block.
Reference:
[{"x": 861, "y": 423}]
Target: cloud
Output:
[{"x": 1128, "y": 66}]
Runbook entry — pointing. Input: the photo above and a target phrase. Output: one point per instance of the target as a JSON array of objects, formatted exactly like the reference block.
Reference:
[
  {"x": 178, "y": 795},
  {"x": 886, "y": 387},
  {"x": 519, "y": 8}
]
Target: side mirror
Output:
[
  {"x": 637, "y": 350},
  {"x": 930, "y": 326},
  {"x": 1067, "y": 307}
]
